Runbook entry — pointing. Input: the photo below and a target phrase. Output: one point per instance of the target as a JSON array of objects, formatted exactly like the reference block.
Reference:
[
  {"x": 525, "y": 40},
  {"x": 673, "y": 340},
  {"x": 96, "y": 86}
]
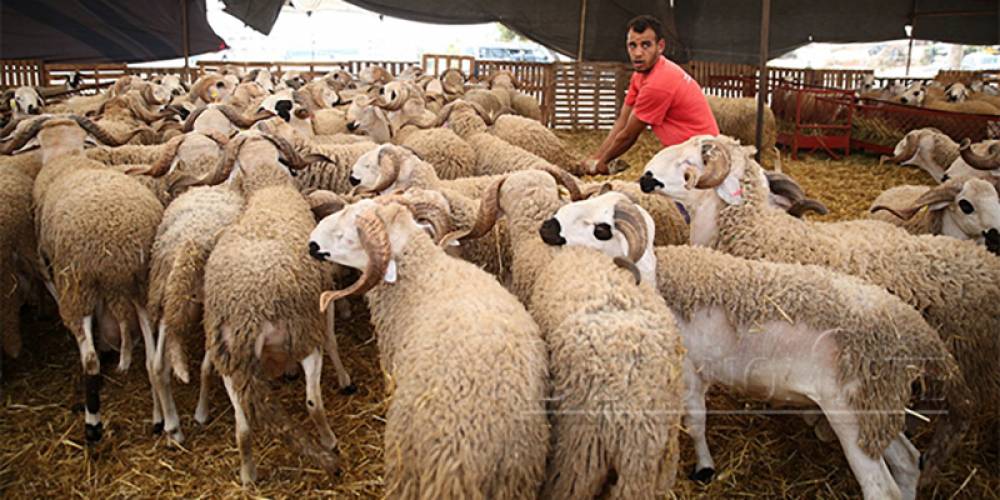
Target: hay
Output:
[{"x": 758, "y": 451}]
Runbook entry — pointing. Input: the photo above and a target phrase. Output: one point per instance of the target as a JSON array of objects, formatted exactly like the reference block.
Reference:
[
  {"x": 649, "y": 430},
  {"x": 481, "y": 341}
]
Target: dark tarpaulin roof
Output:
[
  {"x": 103, "y": 30},
  {"x": 712, "y": 30}
]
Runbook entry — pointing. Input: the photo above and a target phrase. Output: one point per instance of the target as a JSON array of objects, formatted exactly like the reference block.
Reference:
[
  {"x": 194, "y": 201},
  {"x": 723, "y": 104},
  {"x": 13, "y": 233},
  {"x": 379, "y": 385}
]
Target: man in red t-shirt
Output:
[{"x": 660, "y": 95}]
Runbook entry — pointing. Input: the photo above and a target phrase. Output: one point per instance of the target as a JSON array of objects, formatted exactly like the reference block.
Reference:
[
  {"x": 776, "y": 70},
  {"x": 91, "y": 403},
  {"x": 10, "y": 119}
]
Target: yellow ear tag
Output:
[
  {"x": 13, "y": 103},
  {"x": 214, "y": 93}
]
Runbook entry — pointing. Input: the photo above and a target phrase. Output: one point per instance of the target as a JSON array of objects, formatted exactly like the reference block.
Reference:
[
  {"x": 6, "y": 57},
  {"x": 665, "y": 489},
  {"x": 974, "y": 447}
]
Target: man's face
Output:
[{"x": 644, "y": 49}]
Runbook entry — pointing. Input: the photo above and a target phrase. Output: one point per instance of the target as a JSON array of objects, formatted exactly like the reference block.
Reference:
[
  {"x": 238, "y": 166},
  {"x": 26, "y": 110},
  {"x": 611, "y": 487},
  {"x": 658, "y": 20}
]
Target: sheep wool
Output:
[
  {"x": 332, "y": 176},
  {"x": 534, "y": 137}
]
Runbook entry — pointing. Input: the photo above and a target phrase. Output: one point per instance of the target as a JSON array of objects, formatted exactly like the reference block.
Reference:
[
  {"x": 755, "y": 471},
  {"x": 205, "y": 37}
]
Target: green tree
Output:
[{"x": 509, "y": 35}]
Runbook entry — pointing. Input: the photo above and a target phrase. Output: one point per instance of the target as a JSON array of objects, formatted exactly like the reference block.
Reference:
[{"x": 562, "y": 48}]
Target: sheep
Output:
[
  {"x": 452, "y": 83},
  {"x": 976, "y": 160},
  {"x": 972, "y": 106},
  {"x": 966, "y": 210},
  {"x": 17, "y": 256},
  {"x": 954, "y": 284},
  {"x": 520, "y": 103},
  {"x": 669, "y": 218},
  {"x": 776, "y": 318},
  {"x": 737, "y": 118},
  {"x": 372, "y": 75},
  {"x": 614, "y": 352},
  {"x": 259, "y": 292},
  {"x": 532, "y": 136},
  {"x": 210, "y": 88},
  {"x": 24, "y": 101},
  {"x": 123, "y": 114},
  {"x": 496, "y": 440},
  {"x": 221, "y": 118},
  {"x": 927, "y": 148},
  {"x": 95, "y": 259}
]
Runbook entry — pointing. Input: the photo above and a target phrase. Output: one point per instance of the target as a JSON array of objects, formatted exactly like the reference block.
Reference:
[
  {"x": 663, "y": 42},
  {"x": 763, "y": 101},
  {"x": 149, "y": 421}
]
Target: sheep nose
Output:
[
  {"x": 992, "y": 241},
  {"x": 32, "y": 110},
  {"x": 648, "y": 183},
  {"x": 351, "y": 127},
  {"x": 354, "y": 180},
  {"x": 550, "y": 233},
  {"x": 315, "y": 253}
]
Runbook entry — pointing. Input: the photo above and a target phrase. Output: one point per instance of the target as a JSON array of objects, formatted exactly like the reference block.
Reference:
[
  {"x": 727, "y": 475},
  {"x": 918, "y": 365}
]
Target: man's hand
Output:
[{"x": 592, "y": 166}]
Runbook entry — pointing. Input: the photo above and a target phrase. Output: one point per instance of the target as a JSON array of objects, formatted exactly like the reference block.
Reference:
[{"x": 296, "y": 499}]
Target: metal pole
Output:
[
  {"x": 186, "y": 40},
  {"x": 765, "y": 23},
  {"x": 583, "y": 30},
  {"x": 913, "y": 21}
]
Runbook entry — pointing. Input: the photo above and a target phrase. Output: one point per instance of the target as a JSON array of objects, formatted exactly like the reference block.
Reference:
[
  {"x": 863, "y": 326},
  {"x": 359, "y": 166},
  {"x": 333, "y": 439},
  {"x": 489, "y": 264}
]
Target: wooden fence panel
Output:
[
  {"x": 19, "y": 72},
  {"x": 587, "y": 95},
  {"x": 435, "y": 64}
]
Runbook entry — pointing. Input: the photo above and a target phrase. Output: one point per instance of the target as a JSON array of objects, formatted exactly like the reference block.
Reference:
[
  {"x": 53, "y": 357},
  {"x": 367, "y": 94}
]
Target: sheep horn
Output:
[
  {"x": 486, "y": 218},
  {"x": 375, "y": 240},
  {"x": 566, "y": 179},
  {"x": 139, "y": 108},
  {"x": 239, "y": 119},
  {"x": 225, "y": 166},
  {"x": 219, "y": 138},
  {"x": 444, "y": 114},
  {"x": 450, "y": 85},
  {"x": 389, "y": 163},
  {"x": 193, "y": 117},
  {"x": 438, "y": 218},
  {"x": 629, "y": 266},
  {"x": 162, "y": 164},
  {"x": 147, "y": 94},
  {"x": 26, "y": 135},
  {"x": 102, "y": 135},
  {"x": 799, "y": 208},
  {"x": 630, "y": 222},
  {"x": 941, "y": 193},
  {"x": 980, "y": 162},
  {"x": 7, "y": 129},
  {"x": 323, "y": 203},
  {"x": 784, "y": 185},
  {"x": 717, "y": 164},
  {"x": 288, "y": 151},
  {"x": 909, "y": 149},
  {"x": 485, "y": 115}
]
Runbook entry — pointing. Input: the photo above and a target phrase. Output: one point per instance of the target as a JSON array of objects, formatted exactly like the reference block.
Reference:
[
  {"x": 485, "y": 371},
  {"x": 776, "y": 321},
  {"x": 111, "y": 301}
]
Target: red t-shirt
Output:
[{"x": 671, "y": 102}]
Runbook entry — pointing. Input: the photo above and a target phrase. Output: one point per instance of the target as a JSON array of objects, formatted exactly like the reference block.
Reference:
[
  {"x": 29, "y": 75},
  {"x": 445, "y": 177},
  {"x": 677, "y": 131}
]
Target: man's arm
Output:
[
  {"x": 621, "y": 141},
  {"x": 618, "y": 127}
]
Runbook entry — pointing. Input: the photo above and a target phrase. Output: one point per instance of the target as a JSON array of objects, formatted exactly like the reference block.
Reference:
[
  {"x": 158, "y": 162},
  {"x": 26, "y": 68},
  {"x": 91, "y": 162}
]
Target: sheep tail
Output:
[
  {"x": 950, "y": 427},
  {"x": 252, "y": 389},
  {"x": 181, "y": 309}
]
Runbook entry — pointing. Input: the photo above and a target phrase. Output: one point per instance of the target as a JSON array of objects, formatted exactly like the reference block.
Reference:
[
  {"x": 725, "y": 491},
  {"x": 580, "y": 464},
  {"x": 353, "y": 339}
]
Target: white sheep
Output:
[
  {"x": 259, "y": 296},
  {"x": 966, "y": 210},
  {"x": 496, "y": 438},
  {"x": 794, "y": 335},
  {"x": 955, "y": 285},
  {"x": 614, "y": 354},
  {"x": 95, "y": 258}
]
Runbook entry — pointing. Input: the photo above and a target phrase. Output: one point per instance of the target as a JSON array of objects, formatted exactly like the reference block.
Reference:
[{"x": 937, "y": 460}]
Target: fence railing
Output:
[{"x": 571, "y": 95}]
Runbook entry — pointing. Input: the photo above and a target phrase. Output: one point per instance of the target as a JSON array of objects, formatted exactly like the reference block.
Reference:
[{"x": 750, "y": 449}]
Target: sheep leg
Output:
[
  {"x": 904, "y": 464},
  {"x": 695, "y": 422},
  {"x": 248, "y": 469},
  {"x": 125, "y": 347},
  {"x": 312, "y": 365},
  {"x": 201, "y": 411},
  {"x": 154, "y": 381},
  {"x": 871, "y": 473},
  {"x": 171, "y": 422},
  {"x": 343, "y": 378},
  {"x": 93, "y": 429}
]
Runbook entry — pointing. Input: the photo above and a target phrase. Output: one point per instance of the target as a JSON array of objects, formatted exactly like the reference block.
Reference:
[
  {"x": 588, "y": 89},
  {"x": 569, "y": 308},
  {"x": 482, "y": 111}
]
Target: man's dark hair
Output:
[{"x": 641, "y": 23}]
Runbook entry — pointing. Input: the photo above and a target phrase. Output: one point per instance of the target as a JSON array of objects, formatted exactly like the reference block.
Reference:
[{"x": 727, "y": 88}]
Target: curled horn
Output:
[
  {"x": 566, "y": 179},
  {"x": 799, "y": 208},
  {"x": 26, "y": 135},
  {"x": 239, "y": 119},
  {"x": 629, "y": 266},
  {"x": 632, "y": 225},
  {"x": 138, "y": 107},
  {"x": 942, "y": 193},
  {"x": 147, "y": 94},
  {"x": 291, "y": 155},
  {"x": 162, "y": 164},
  {"x": 486, "y": 116},
  {"x": 193, "y": 117},
  {"x": 7, "y": 129},
  {"x": 909, "y": 149},
  {"x": 717, "y": 164},
  {"x": 102, "y": 135},
  {"x": 980, "y": 162},
  {"x": 375, "y": 240},
  {"x": 388, "y": 174},
  {"x": 219, "y": 138},
  {"x": 489, "y": 208},
  {"x": 323, "y": 203},
  {"x": 430, "y": 213},
  {"x": 782, "y": 184},
  {"x": 444, "y": 114},
  {"x": 225, "y": 166}
]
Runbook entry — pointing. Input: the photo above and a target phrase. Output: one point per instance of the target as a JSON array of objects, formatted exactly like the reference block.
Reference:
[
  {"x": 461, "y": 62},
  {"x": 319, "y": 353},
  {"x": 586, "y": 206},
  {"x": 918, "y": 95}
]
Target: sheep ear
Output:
[{"x": 730, "y": 191}]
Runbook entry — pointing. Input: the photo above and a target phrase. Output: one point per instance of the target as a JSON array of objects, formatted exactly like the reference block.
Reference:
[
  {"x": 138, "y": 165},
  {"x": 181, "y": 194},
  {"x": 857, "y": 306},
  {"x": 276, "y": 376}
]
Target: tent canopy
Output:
[
  {"x": 711, "y": 30},
  {"x": 103, "y": 30}
]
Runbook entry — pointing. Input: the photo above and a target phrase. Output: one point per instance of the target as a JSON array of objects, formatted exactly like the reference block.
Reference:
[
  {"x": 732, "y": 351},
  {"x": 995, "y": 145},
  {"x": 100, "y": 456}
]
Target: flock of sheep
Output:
[
  {"x": 976, "y": 98},
  {"x": 543, "y": 335}
]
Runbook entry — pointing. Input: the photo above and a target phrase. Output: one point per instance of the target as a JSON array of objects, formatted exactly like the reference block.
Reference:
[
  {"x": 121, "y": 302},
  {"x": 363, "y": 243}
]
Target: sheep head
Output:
[
  {"x": 989, "y": 161},
  {"x": 611, "y": 223},
  {"x": 65, "y": 131},
  {"x": 700, "y": 163},
  {"x": 26, "y": 101},
  {"x": 379, "y": 169}
]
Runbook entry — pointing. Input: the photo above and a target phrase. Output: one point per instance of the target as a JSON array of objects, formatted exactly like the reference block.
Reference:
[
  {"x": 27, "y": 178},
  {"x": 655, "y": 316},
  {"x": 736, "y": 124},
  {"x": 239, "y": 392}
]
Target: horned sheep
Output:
[
  {"x": 955, "y": 285},
  {"x": 496, "y": 439},
  {"x": 777, "y": 318}
]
